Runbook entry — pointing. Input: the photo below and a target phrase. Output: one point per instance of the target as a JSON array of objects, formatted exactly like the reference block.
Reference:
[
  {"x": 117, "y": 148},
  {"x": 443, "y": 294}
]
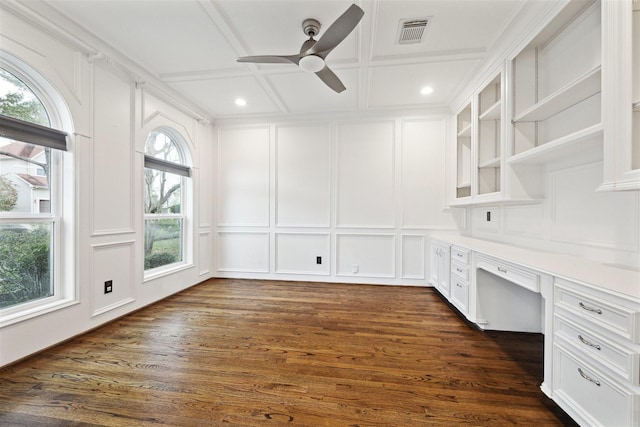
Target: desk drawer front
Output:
[
  {"x": 620, "y": 359},
  {"x": 527, "y": 279},
  {"x": 460, "y": 255},
  {"x": 605, "y": 401},
  {"x": 459, "y": 270},
  {"x": 460, "y": 294},
  {"x": 616, "y": 319}
]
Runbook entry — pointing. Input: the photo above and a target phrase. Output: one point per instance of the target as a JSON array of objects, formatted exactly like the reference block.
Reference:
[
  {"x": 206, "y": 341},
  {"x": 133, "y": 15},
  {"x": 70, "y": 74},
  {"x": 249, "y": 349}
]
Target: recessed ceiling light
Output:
[
  {"x": 426, "y": 90},
  {"x": 241, "y": 102}
]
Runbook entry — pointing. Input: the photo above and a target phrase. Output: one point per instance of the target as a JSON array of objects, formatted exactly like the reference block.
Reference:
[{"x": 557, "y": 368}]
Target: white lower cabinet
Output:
[
  {"x": 591, "y": 329},
  {"x": 460, "y": 260},
  {"x": 439, "y": 276},
  {"x": 590, "y": 396},
  {"x": 596, "y": 356},
  {"x": 460, "y": 295}
]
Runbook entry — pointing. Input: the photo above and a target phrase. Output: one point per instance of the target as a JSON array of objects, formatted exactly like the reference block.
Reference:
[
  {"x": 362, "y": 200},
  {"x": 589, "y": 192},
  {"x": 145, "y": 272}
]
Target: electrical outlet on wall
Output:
[
  {"x": 488, "y": 216},
  {"x": 318, "y": 260},
  {"x": 108, "y": 286}
]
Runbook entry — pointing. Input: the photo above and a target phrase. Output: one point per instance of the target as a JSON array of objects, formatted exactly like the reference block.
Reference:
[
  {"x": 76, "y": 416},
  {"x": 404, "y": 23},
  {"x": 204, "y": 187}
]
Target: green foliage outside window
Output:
[{"x": 24, "y": 263}]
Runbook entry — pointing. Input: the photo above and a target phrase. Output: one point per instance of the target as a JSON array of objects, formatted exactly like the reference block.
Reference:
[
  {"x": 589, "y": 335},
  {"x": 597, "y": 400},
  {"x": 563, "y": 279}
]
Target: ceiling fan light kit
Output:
[
  {"x": 311, "y": 63},
  {"x": 313, "y": 53}
]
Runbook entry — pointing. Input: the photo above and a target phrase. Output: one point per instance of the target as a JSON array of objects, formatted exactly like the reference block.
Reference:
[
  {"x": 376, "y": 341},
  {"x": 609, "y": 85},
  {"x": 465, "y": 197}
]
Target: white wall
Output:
[
  {"x": 572, "y": 218},
  {"x": 362, "y": 194},
  {"x": 111, "y": 113}
]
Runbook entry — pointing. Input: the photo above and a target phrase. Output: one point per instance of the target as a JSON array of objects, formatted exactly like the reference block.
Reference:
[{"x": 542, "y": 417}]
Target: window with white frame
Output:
[
  {"x": 30, "y": 200},
  {"x": 165, "y": 181}
]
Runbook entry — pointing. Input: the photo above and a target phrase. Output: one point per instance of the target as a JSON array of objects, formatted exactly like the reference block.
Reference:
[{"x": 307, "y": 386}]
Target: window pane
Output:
[
  {"x": 25, "y": 262},
  {"x": 19, "y": 102},
  {"x": 162, "y": 192},
  {"x": 24, "y": 183},
  {"x": 161, "y": 146},
  {"x": 162, "y": 242}
]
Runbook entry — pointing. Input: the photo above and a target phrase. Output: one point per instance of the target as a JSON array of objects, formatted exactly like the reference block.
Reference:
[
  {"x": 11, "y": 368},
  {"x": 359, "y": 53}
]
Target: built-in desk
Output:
[{"x": 589, "y": 313}]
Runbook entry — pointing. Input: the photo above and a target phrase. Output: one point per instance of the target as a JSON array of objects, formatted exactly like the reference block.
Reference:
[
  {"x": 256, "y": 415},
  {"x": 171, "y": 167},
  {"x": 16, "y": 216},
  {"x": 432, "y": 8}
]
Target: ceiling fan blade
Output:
[
  {"x": 330, "y": 79},
  {"x": 338, "y": 31},
  {"x": 270, "y": 59}
]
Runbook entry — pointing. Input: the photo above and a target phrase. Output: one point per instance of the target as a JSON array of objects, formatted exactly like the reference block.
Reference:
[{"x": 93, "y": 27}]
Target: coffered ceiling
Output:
[{"x": 192, "y": 45}]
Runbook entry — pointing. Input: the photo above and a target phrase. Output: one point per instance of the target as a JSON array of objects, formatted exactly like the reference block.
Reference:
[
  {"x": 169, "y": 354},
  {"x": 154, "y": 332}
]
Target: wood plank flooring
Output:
[{"x": 257, "y": 353}]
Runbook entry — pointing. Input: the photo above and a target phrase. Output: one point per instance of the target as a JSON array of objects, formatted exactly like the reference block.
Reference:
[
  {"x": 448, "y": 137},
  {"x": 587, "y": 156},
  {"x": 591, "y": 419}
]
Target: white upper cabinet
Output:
[
  {"x": 567, "y": 94},
  {"x": 463, "y": 153},
  {"x": 621, "y": 94}
]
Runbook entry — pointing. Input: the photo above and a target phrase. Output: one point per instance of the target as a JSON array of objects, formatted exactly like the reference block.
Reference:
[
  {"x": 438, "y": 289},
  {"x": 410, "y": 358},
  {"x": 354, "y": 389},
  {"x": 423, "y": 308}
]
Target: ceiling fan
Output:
[{"x": 313, "y": 53}]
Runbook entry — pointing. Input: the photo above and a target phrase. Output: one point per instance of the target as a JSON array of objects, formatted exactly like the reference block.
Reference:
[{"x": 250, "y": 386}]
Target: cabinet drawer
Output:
[
  {"x": 619, "y": 358},
  {"x": 612, "y": 317},
  {"x": 597, "y": 399},
  {"x": 460, "y": 270},
  {"x": 459, "y": 254},
  {"x": 460, "y": 294},
  {"x": 526, "y": 278}
]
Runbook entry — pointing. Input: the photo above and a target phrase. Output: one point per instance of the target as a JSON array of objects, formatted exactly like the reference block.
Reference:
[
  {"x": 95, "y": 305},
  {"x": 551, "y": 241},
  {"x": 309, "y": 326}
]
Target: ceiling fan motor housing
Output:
[{"x": 311, "y": 27}]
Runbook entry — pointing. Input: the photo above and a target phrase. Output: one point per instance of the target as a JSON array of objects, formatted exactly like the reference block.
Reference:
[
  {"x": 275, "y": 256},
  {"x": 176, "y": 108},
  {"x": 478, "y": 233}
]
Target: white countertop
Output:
[{"x": 625, "y": 281}]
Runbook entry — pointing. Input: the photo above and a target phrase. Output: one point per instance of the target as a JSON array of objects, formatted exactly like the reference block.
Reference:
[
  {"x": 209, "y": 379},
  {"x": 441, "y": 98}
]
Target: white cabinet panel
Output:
[{"x": 303, "y": 175}]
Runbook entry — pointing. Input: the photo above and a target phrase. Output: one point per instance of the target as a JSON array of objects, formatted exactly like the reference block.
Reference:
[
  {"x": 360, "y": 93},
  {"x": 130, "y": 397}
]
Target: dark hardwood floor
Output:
[{"x": 255, "y": 353}]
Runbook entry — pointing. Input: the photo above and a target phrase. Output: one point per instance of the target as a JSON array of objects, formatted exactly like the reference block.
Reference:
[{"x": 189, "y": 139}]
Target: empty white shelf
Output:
[
  {"x": 465, "y": 131},
  {"x": 559, "y": 148},
  {"x": 491, "y": 113},
  {"x": 491, "y": 163},
  {"x": 578, "y": 90}
]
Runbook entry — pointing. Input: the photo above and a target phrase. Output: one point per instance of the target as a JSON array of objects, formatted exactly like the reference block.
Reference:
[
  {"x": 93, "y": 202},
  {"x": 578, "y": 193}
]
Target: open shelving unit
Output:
[
  {"x": 489, "y": 137},
  {"x": 463, "y": 152},
  {"x": 556, "y": 89}
]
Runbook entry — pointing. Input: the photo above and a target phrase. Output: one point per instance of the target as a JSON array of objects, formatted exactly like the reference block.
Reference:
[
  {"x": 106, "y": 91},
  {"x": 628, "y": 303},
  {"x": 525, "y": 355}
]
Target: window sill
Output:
[
  {"x": 36, "y": 311},
  {"x": 156, "y": 273}
]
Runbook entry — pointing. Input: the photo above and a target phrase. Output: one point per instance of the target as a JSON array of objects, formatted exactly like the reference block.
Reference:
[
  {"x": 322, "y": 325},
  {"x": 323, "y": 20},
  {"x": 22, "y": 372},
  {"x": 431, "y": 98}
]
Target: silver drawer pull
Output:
[
  {"x": 502, "y": 270},
  {"x": 594, "y": 310},
  {"x": 458, "y": 285},
  {"x": 459, "y": 270},
  {"x": 588, "y": 378},
  {"x": 459, "y": 255},
  {"x": 590, "y": 344}
]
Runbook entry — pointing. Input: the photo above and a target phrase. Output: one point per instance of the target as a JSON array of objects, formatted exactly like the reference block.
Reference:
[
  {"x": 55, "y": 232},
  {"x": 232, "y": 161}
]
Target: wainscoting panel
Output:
[
  {"x": 112, "y": 146},
  {"x": 243, "y": 251},
  {"x": 423, "y": 190},
  {"x": 365, "y": 176},
  {"x": 413, "y": 256},
  {"x": 204, "y": 252},
  {"x": 243, "y": 176},
  {"x": 298, "y": 253},
  {"x": 303, "y": 175},
  {"x": 366, "y": 255},
  {"x": 114, "y": 262}
]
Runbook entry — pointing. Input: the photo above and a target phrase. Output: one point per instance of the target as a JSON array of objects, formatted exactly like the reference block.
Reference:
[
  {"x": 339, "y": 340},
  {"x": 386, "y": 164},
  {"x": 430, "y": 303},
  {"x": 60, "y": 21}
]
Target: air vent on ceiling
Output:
[{"x": 412, "y": 30}]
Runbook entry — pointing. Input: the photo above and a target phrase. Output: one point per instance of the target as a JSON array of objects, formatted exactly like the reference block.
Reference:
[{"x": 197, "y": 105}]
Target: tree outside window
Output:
[{"x": 164, "y": 178}]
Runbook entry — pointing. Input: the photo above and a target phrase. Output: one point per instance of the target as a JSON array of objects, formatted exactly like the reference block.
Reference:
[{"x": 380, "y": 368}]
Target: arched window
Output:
[
  {"x": 165, "y": 178},
  {"x": 30, "y": 201}
]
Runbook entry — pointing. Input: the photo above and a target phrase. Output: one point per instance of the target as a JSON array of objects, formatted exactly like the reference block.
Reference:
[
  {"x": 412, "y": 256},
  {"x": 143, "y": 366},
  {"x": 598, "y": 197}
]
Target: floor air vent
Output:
[{"x": 411, "y": 31}]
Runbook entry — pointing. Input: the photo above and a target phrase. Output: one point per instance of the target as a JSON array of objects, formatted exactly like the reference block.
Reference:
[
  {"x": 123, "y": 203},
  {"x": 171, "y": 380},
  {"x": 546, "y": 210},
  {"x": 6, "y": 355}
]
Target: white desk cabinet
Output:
[{"x": 589, "y": 314}]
